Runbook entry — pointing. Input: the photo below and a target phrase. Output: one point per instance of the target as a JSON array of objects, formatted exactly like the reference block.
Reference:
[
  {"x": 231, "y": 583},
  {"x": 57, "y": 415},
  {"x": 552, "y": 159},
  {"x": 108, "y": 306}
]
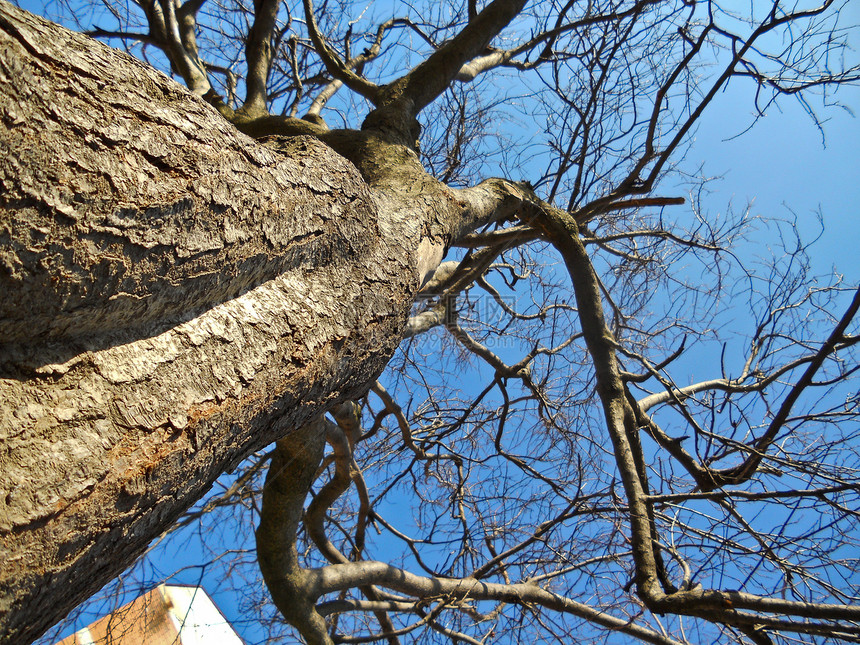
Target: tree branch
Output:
[
  {"x": 292, "y": 471},
  {"x": 744, "y": 471},
  {"x": 335, "y": 66},
  {"x": 259, "y": 54},
  {"x": 418, "y": 88},
  {"x": 345, "y": 576}
]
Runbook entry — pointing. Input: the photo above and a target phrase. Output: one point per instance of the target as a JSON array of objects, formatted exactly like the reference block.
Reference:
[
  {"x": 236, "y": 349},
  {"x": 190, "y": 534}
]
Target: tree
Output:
[{"x": 180, "y": 295}]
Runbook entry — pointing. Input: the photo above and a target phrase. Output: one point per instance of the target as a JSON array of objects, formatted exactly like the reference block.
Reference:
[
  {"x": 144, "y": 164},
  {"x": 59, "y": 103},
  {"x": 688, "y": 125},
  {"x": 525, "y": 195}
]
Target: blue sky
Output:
[{"x": 785, "y": 162}]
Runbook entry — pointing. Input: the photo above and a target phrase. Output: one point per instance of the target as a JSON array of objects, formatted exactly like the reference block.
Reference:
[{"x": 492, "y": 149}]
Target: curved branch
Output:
[
  {"x": 146, "y": 39},
  {"x": 719, "y": 606},
  {"x": 341, "y": 438},
  {"x": 344, "y": 605},
  {"x": 421, "y": 85},
  {"x": 335, "y": 66},
  {"x": 745, "y": 470},
  {"x": 329, "y": 493},
  {"x": 505, "y": 58},
  {"x": 345, "y": 576},
  {"x": 561, "y": 229},
  {"x": 357, "y": 62},
  {"x": 291, "y": 473},
  {"x": 181, "y": 41},
  {"x": 392, "y": 406}
]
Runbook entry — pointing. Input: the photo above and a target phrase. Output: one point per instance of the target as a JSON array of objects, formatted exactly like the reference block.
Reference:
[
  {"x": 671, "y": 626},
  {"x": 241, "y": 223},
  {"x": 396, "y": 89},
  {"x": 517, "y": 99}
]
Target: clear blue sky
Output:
[{"x": 783, "y": 163}]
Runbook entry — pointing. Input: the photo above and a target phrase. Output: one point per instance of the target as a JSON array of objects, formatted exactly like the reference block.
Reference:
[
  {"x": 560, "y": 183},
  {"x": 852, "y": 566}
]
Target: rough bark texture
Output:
[{"x": 175, "y": 296}]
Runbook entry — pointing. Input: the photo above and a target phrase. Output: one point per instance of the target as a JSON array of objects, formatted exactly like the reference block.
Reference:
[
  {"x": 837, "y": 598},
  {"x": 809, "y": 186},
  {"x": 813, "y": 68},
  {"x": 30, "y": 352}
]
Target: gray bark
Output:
[{"x": 174, "y": 296}]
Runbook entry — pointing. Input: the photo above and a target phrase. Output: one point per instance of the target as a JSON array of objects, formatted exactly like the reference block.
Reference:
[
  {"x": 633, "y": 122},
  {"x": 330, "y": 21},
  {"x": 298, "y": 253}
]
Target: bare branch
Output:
[
  {"x": 337, "y": 577},
  {"x": 259, "y": 53},
  {"x": 417, "y": 89},
  {"x": 335, "y": 66}
]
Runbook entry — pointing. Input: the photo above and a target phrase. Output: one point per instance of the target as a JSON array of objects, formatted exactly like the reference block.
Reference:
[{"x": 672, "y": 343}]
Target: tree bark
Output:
[{"x": 174, "y": 297}]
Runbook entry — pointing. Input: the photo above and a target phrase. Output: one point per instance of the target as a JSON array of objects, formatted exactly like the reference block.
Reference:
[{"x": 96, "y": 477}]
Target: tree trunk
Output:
[{"x": 174, "y": 296}]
